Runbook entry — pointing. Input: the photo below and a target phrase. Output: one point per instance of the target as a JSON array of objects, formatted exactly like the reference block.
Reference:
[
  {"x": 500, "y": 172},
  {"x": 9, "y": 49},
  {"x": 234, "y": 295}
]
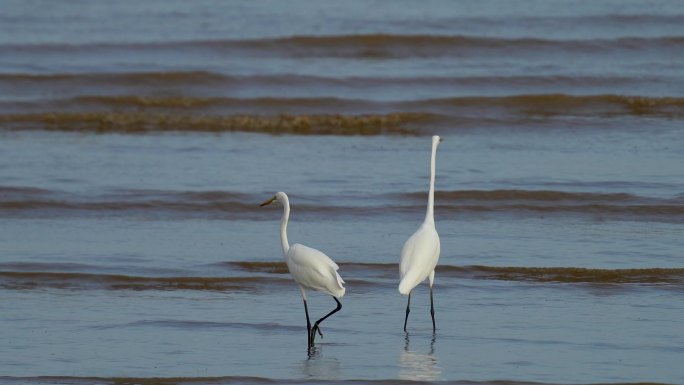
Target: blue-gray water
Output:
[{"x": 137, "y": 140}]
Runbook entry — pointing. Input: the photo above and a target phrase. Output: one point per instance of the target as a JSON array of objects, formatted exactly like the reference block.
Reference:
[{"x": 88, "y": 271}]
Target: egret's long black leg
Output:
[
  {"x": 308, "y": 325},
  {"x": 432, "y": 310},
  {"x": 408, "y": 310},
  {"x": 316, "y": 328}
]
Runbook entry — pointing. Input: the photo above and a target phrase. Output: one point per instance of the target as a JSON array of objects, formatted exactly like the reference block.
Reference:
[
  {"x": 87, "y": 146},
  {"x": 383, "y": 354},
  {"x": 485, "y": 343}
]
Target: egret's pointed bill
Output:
[{"x": 268, "y": 202}]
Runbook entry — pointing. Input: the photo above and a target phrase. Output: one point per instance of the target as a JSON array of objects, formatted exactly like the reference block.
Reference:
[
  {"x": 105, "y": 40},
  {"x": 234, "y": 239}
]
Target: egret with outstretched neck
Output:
[
  {"x": 310, "y": 268},
  {"x": 421, "y": 251}
]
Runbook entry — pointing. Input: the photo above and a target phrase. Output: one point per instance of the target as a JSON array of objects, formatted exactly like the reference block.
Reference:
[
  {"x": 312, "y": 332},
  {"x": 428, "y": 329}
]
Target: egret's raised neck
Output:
[
  {"x": 282, "y": 198},
  {"x": 430, "y": 213}
]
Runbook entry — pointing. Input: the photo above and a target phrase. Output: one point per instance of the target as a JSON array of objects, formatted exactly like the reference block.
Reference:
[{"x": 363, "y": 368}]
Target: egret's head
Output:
[
  {"x": 279, "y": 197},
  {"x": 436, "y": 140}
]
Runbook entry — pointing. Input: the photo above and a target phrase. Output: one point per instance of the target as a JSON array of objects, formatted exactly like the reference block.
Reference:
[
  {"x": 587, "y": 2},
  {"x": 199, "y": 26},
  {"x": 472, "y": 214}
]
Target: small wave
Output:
[
  {"x": 601, "y": 104},
  {"x": 45, "y": 266},
  {"x": 551, "y": 105},
  {"x": 361, "y": 276},
  {"x": 22, "y": 191},
  {"x": 655, "y": 213},
  {"x": 143, "y": 123},
  {"x": 523, "y": 103},
  {"x": 529, "y": 195},
  {"x": 368, "y": 46},
  {"x": 260, "y": 267},
  {"x": 156, "y": 78},
  {"x": 534, "y": 274},
  {"x": 544, "y": 199},
  {"x": 150, "y": 207},
  {"x": 154, "y": 203},
  {"x": 233, "y": 205},
  {"x": 70, "y": 267},
  {"x": 142, "y": 102},
  {"x": 673, "y": 276},
  {"x": 149, "y": 83},
  {"x": 281, "y": 267},
  {"x": 210, "y": 106},
  {"x": 22, "y": 280},
  {"x": 401, "y": 46},
  {"x": 139, "y": 114},
  {"x": 159, "y": 78},
  {"x": 610, "y": 205},
  {"x": 12, "y": 193}
]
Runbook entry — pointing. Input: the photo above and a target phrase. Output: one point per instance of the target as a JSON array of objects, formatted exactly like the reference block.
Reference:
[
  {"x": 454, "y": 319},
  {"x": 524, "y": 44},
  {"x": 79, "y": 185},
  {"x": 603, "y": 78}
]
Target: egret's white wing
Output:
[
  {"x": 418, "y": 257},
  {"x": 315, "y": 270}
]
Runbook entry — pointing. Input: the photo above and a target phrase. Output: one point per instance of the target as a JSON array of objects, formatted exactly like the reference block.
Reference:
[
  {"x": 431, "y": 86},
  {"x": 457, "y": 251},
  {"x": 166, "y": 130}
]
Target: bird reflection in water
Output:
[
  {"x": 312, "y": 352},
  {"x": 317, "y": 366},
  {"x": 416, "y": 366}
]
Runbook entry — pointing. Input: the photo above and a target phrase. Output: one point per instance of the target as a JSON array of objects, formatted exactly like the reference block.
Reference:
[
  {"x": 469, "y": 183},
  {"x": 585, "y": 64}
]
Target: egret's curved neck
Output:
[
  {"x": 283, "y": 227},
  {"x": 429, "y": 215}
]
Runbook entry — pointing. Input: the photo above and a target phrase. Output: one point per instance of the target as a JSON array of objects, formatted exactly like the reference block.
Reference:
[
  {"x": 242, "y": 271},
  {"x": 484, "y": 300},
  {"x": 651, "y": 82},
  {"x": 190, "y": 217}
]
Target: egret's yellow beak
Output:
[{"x": 268, "y": 202}]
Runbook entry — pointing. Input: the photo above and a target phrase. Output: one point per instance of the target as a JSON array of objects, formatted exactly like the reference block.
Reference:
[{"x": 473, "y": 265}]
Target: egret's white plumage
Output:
[
  {"x": 420, "y": 253},
  {"x": 309, "y": 267},
  {"x": 419, "y": 258},
  {"x": 314, "y": 270}
]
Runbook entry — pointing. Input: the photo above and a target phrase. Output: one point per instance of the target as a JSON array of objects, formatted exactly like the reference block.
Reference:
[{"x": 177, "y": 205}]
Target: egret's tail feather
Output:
[
  {"x": 339, "y": 293},
  {"x": 405, "y": 286}
]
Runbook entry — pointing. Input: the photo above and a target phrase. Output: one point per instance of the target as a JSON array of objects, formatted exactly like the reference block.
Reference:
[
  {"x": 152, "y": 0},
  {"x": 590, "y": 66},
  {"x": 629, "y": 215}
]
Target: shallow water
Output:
[{"x": 137, "y": 140}]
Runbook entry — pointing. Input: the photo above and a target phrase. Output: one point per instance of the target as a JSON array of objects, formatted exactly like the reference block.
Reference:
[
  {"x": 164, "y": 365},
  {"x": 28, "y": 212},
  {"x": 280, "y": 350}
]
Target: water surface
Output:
[{"x": 137, "y": 140}]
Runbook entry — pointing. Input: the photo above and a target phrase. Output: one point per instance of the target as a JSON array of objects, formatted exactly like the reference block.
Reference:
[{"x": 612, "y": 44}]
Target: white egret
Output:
[
  {"x": 310, "y": 268},
  {"x": 421, "y": 251}
]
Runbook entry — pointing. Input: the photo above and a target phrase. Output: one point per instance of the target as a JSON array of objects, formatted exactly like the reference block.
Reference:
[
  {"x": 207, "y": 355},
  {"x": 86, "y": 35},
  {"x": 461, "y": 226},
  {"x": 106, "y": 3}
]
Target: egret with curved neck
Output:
[
  {"x": 310, "y": 268},
  {"x": 421, "y": 251}
]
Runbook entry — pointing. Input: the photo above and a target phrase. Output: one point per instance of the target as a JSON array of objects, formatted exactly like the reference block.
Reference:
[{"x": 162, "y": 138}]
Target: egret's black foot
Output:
[
  {"x": 312, "y": 336},
  {"x": 312, "y": 352}
]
